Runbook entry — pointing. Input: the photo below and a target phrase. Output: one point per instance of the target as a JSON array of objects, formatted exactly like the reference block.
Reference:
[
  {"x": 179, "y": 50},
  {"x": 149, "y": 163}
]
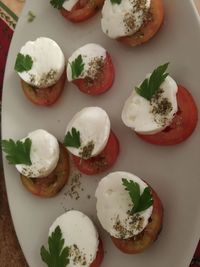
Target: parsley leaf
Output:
[
  {"x": 72, "y": 139},
  {"x": 150, "y": 85},
  {"x": 57, "y": 256},
  {"x": 140, "y": 202},
  {"x": 116, "y": 1},
  {"x": 23, "y": 63},
  {"x": 57, "y": 3},
  {"x": 146, "y": 200},
  {"x": 17, "y": 153},
  {"x": 31, "y": 16},
  {"x": 77, "y": 67},
  {"x": 134, "y": 192}
]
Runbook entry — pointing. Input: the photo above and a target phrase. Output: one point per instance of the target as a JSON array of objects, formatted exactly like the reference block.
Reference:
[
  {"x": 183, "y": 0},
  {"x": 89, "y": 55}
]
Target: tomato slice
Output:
[
  {"x": 99, "y": 257},
  {"x": 44, "y": 96},
  {"x": 100, "y": 85},
  {"x": 143, "y": 240},
  {"x": 53, "y": 183},
  {"x": 182, "y": 125},
  {"x": 150, "y": 27},
  {"x": 101, "y": 162},
  {"x": 83, "y": 10}
]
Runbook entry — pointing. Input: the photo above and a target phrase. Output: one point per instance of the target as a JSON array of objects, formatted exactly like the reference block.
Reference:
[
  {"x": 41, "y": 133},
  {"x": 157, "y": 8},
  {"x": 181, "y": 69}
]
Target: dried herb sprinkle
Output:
[
  {"x": 46, "y": 78},
  {"x": 75, "y": 186},
  {"x": 95, "y": 70},
  {"x": 86, "y": 151},
  {"x": 128, "y": 226},
  {"x": 161, "y": 107},
  {"x": 77, "y": 256},
  {"x": 129, "y": 20}
]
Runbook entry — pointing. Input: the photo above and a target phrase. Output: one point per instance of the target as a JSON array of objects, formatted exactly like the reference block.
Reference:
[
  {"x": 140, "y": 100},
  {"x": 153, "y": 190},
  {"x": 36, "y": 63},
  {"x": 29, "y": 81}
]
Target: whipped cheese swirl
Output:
[
  {"x": 44, "y": 155},
  {"x": 114, "y": 203},
  {"x": 48, "y": 62},
  {"x": 80, "y": 235},
  {"x": 125, "y": 18}
]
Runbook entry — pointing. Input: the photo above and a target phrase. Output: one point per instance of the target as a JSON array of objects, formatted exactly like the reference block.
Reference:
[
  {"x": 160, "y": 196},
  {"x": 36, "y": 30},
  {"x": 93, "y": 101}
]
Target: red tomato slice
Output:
[
  {"x": 49, "y": 186},
  {"x": 149, "y": 28},
  {"x": 183, "y": 123},
  {"x": 83, "y": 10},
  {"x": 99, "y": 257},
  {"x": 103, "y": 161},
  {"x": 143, "y": 240},
  {"x": 44, "y": 96},
  {"x": 100, "y": 85}
]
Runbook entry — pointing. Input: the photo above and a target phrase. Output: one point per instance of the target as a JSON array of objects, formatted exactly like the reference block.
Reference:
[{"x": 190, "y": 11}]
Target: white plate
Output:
[{"x": 173, "y": 171}]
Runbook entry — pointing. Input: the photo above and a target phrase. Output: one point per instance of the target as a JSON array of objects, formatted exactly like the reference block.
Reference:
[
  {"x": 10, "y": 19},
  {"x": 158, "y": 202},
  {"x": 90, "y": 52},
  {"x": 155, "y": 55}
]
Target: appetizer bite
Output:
[
  {"x": 90, "y": 68},
  {"x": 160, "y": 111},
  {"x": 42, "y": 162},
  {"x": 77, "y": 10},
  {"x": 73, "y": 241},
  {"x": 129, "y": 210},
  {"x": 132, "y": 22},
  {"x": 90, "y": 140},
  {"x": 41, "y": 67}
]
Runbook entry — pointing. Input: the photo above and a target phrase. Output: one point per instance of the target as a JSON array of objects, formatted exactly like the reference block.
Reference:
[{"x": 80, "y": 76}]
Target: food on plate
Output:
[
  {"x": 160, "y": 111},
  {"x": 41, "y": 67},
  {"x": 129, "y": 210},
  {"x": 42, "y": 162},
  {"x": 90, "y": 140},
  {"x": 132, "y": 22},
  {"x": 77, "y": 10},
  {"x": 90, "y": 68},
  {"x": 73, "y": 241}
]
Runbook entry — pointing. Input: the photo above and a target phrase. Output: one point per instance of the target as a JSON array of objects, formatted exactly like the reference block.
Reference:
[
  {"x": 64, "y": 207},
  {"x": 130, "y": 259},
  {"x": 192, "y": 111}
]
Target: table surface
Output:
[{"x": 10, "y": 251}]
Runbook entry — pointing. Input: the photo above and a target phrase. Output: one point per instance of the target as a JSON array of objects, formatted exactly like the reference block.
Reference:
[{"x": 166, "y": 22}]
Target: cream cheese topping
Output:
[
  {"x": 150, "y": 117},
  {"x": 44, "y": 155},
  {"x": 80, "y": 235},
  {"x": 48, "y": 62},
  {"x": 125, "y": 18},
  {"x": 114, "y": 205}
]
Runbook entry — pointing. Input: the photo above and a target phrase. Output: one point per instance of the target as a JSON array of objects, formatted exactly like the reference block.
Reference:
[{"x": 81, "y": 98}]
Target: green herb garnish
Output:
[
  {"x": 140, "y": 202},
  {"x": 116, "y": 1},
  {"x": 77, "y": 67},
  {"x": 17, "y": 153},
  {"x": 31, "y": 16},
  {"x": 57, "y": 255},
  {"x": 57, "y": 3},
  {"x": 23, "y": 63},
  {"x": 150, "y": 85},
  {"x": 72, "y": 139}
]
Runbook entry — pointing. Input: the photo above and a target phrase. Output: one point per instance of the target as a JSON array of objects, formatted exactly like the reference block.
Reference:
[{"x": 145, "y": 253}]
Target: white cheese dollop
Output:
[
  {"x": 69, "y": 4},
  {"x": 44, "y": 155},
  {"x": 93, "y": 124},
  {"x": 90, "y": 54},
  {"x": 123, "y": 19},
  {"x": 113, "y": 204},
  {"x": 48, "y": 62},
  {"x": 138, "y": 112},
  {"x": 80, "y": 235}
]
